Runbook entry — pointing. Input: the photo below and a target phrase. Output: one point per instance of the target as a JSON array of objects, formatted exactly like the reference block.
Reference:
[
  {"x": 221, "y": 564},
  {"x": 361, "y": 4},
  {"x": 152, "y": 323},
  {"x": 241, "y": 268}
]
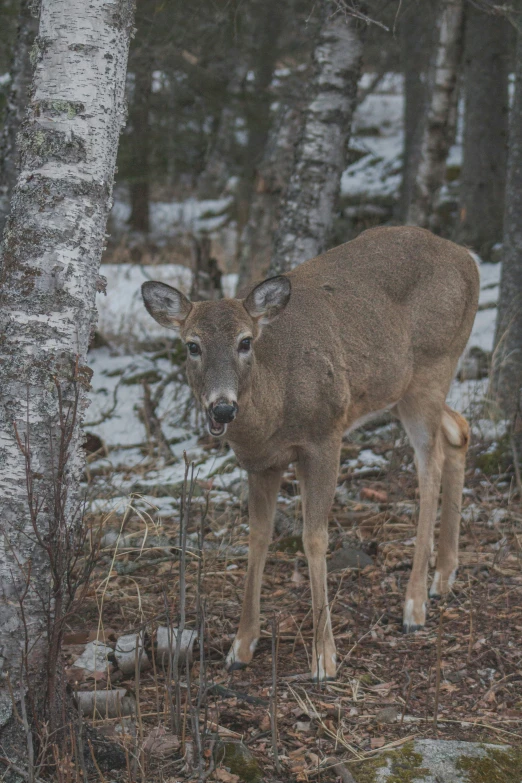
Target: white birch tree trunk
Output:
[
  {"x": 309, "y": 206},
  {"x": 53, "y": 242},
  {"x": 436, "y": 137}
]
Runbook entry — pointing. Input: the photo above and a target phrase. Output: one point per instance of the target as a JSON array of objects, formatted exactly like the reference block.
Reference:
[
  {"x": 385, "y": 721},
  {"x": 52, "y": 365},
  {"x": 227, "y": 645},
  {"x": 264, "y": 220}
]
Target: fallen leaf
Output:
[
  {"x": 377, "y": 742},
  {"x": 225, "y": 777},
  {"x": 373, "y": 495}
]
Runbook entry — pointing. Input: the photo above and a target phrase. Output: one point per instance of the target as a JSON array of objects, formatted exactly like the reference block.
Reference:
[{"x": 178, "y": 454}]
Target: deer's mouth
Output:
[{"x": 216, "y": 428}]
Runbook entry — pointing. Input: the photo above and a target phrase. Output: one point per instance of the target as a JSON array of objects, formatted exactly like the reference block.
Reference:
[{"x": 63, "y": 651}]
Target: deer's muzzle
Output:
[{"x": 220, "y": 414}]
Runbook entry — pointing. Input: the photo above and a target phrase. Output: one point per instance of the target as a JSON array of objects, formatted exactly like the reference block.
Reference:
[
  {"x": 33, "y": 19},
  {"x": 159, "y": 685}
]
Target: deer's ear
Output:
[
  {"x": 168, "y": 306},
  {"x": 268, "y": 299}
]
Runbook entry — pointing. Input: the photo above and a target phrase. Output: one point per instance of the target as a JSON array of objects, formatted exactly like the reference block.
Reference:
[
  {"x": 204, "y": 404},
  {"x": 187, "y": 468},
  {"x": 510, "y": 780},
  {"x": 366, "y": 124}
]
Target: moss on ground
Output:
[
  {"x": 404, "y": 764},
  {"x": 497, "y": 766}
]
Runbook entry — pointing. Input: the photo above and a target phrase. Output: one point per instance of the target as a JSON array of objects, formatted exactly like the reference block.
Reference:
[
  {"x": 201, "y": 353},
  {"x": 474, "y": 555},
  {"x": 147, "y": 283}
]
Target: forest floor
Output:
[{"x": 468, "y": 658}]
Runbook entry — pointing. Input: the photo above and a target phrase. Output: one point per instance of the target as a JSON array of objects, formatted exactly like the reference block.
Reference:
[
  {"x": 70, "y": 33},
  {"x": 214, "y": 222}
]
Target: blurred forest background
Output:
[
  {"x": 260, "y": 133},
  {"x": 216, "y": 95}
]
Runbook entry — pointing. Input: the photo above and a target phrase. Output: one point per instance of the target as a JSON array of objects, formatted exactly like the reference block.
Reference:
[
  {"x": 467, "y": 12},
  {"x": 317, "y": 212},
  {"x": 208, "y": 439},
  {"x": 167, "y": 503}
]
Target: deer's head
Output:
[{"x": 220, "y": 339}]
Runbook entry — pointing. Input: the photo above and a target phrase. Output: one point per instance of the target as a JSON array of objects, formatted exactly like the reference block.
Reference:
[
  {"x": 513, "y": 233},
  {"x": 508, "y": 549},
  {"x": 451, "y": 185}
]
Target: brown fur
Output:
[{"x": 379, "y": 322}]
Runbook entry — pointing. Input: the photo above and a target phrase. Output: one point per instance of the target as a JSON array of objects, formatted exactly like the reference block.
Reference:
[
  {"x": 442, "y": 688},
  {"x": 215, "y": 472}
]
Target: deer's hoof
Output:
[
  {"x": 235, "y": 666},
  {"x": 442, "y": 584},
  {"x": 239, "y": 655},
  {"x": 414, "y": 616},
  {"x": 320, "y": 673}
]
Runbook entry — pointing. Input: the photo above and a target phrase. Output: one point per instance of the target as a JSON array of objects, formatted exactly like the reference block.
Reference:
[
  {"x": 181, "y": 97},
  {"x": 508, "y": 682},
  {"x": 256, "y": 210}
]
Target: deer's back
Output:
[{"x": 363, "y": 317}]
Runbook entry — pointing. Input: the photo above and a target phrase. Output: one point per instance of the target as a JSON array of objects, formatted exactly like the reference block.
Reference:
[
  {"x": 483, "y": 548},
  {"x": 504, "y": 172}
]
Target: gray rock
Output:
[
  {"x": 348, "y": 557},
  {"x": 443, "y": 761},
  {"x": 95, "y": 657}
]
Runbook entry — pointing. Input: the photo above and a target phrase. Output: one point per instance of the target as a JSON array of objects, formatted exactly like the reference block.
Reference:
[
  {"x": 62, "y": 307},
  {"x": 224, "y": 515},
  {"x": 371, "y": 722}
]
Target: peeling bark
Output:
[
  {"x": 53, "y": 242},
  {"x": 309, "y": 207},
  {"x": 506, "y": 384},
  {"x": 436, "y": 136},
  {"x": 483, "y": 176},
  {"x": 21, "y": 75}
]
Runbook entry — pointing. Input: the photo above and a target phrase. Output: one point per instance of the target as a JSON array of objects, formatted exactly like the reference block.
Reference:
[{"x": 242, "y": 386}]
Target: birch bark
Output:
[
  {"x": 436, "y": 136},
  {"x": 309, "y": 206},
  {"x": 21, "y": 74},
  {"x": 48, "y": 279}
]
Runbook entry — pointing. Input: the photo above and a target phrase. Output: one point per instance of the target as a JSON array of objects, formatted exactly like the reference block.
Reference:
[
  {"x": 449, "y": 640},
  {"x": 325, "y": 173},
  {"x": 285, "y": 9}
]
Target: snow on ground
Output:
[
  {"x": 121, "y": 315},
  {"x": 128, "y": 474},
  {"x": 176, "y": 217},
  {"x": 378, "y": 136}
]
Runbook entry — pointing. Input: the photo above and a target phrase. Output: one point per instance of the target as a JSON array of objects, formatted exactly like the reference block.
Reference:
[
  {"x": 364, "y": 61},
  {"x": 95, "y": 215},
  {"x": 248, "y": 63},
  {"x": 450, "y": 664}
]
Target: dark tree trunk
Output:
[
  {"x": 21, "y": 75},
  {"x": 270, "y": 186},
  {"x": 248, "y": 100},
  {"x": 267, "y": 27},
  {"x": 506, "y": 386},
  {"x": 139, "y": 120},
  {"x": 437, "y": 127},
  {"x": 206, "y": 283},
  {"x": 417, "y": 35},
  {"x": 483, "y": 176},
  {"x": 309, "y": 207}
]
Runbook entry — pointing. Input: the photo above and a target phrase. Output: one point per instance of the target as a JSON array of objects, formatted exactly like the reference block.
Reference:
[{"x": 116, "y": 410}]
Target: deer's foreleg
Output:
[
  {"x": 318, "y": 474},
  {"x": 262, "y": 497}
]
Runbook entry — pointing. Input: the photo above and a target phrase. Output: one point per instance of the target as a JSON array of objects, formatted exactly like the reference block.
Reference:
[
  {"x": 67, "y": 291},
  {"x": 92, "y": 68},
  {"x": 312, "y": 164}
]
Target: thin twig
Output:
[
  {"x": 439, "y": 666},
  {"x": 273, "y": 701}
]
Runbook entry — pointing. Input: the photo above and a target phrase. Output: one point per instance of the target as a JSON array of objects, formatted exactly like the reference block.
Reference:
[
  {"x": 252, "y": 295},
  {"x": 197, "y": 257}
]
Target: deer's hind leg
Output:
[
  {"x": 455, "y": 439},
  {"x": 421, "y": 413}
]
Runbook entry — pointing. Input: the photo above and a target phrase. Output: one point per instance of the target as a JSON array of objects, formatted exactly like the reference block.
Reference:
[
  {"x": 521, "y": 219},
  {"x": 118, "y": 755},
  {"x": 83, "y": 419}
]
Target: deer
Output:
[{"x": 376, "y": 324}]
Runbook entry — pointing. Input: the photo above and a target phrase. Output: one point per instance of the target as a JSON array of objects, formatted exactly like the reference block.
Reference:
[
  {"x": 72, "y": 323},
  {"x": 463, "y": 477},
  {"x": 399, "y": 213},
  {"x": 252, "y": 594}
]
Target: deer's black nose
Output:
[{"x": 224, "y": 412}]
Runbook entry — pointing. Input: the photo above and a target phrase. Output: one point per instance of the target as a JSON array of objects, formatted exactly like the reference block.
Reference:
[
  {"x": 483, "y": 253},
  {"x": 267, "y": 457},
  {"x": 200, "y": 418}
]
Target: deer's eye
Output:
[
  {"x": 245, "y": 345},
  {"x": 193, "y": 349}
]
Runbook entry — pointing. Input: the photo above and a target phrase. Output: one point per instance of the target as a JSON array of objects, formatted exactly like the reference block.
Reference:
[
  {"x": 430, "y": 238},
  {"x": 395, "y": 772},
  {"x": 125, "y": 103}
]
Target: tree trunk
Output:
[
  {"x": 21, "y": 74},
  {"x": 222, "y": 159},
  {"x": 506, "y": 385},
  {"x": 483, "y": 176},
  {"x": 436, "y": 135},
  {"x": 270, "y": 186},
  {"x": 53, "y": 242},
  {"x": 309, "y": 206},
  {"x": 247, "y": 109},
  {"x": 139, "y": 121},
  {"x": 206, "y": 283},
  {"x": 266, "y": 27},
  {"x": 417, "y": 38}
]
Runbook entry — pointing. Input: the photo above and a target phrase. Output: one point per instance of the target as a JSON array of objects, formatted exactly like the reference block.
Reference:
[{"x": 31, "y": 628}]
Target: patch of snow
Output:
[
  {"x": 172, "y": 218},
  {"x": 378, "y": 133},
  {"x": 122, "y": 314}
]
